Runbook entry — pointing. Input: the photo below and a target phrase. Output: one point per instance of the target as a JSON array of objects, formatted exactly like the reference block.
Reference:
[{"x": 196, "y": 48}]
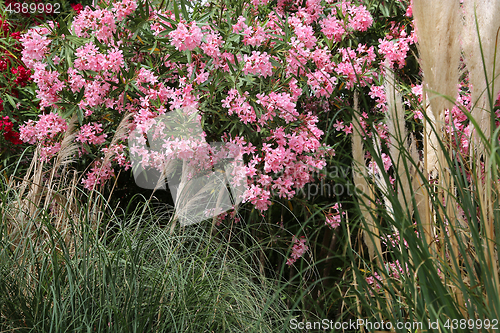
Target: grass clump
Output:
[{"x": 76, "y": 266}]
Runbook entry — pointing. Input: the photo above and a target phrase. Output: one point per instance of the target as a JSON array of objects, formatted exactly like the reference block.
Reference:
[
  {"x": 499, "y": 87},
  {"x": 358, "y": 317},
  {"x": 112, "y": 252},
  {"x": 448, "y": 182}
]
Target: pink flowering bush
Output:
[
  {"x": 273, "y": 83},
  {"x": 268, "y": 82},
  {"x": 98, "y": 81},
  {"x": 18, "y": 102}
]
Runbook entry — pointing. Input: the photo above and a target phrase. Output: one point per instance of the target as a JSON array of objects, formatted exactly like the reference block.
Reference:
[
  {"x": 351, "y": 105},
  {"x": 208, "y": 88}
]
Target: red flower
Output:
[
  {"x": 12, "y": 137},
  {"x": 23, "y": 75},
  {"x": 78, "y": 7},
  {"x": 16, "y": 35},
  {"x": 6, "y": 125},
  {"x": 4, "y": 25}
]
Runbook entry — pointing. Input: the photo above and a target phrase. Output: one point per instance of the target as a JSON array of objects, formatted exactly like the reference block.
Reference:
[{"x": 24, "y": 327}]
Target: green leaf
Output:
[
  {"x": 184, "y": 10},
  {"x": 176, "y": 11},
  {"x": 11, "y": 100}
]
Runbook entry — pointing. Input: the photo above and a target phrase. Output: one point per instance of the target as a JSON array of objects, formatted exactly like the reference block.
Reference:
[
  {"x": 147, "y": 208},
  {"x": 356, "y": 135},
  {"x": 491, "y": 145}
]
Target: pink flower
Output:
[
  {"x": 277, "y": 103},
  {"x": 417, "y": 114},
  {"x": 237, "y": 104},
  {"x": 254, "y": 36},
  {"x": 321, "y": 83},
  {"x": 305, "y": 34},
  {"x": 99, "y": 23},
  {"x": 49, "y": 85},
  {"x": 348, "y": 129},
  {"x": 240, "y": 25},
  {"x": 186, "y": 39},
  {"x": 355, "y": 65},
  {"x": 256, "y": 3},
  {"x": 99, "y": 174},
  {"x": 211, "y": 45},
  {"x": 35, "y": 46},
  {"x": 386, "y": 159},
  {"x": 396, "y": 270},
  {"x": 298, "y": 249},
  {"x": 123, "y": 8},
  {"x": 395, "y": 51},
  {"x": 258, "y": 63},
  {"x": 88, "y": 57},
  {"x": 361, "y": 19},
  {"x": 339, "y": 125},
  {"x": 321, "y": 58},
  {"x": 258, "y": 197},
  {"x": 88, "y": 134},
  {"x": 378, "y": 94},
  {"x": 332, "y": 28},
  {"x": 334, "y": 218},
  {"x": 417, "y": 91},
  {"x": 156, "y": 22},
  {"x": 44, "y": 132},
  {"x": 374, "y": 280}
]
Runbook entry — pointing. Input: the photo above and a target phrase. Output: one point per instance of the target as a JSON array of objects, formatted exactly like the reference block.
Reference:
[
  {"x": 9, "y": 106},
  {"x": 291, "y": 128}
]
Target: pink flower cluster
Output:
[
  {"x": 258, "y": 196},
  {"x": 304, "y": 32},
  {"x": 88, "y": 57},
  {"x": 254, "y": 36},
  {"x": 99, "y": 174},
  {"x": 258, "y": 63},
  {"x": 393, "y": 240},
  {"x": 212, "y": 43},
  {"x": 394, "y": 270},
  {"x": 99, "y": 23},
  {"x": 457, "y": 124},
  {"x": 277, "y": 104},
  {"x": 186, "y": 37},
  {"x": 298, "y": 249},
  {"x": 123, "y": 8},
  {"x": 395, "y": 51},
  {"x": 374, "y": 280},
  {"x": 156, "y": 22},
  {"x": 358, "y": 18},
  {"x": 88, "y": 134},
  {"x": 35, "y": 46},
  {"x": 49, "y": 85},
  {"x": 321, "y": 83},
  {"x": 45, "y": 132},
  {"x": 237, "y": 104},
  {"x": 287, "y": 163},
  {"x": 334, "y": 218},
  {"x": 378, "y": 94},
  {"x": 333, "y": 28},
  {"x": 355, "y": 67}
]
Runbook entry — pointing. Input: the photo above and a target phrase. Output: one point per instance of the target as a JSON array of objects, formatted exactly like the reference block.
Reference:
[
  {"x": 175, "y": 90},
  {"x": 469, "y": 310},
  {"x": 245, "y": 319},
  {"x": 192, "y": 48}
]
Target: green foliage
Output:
[{"x": 132, "y": 276}]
